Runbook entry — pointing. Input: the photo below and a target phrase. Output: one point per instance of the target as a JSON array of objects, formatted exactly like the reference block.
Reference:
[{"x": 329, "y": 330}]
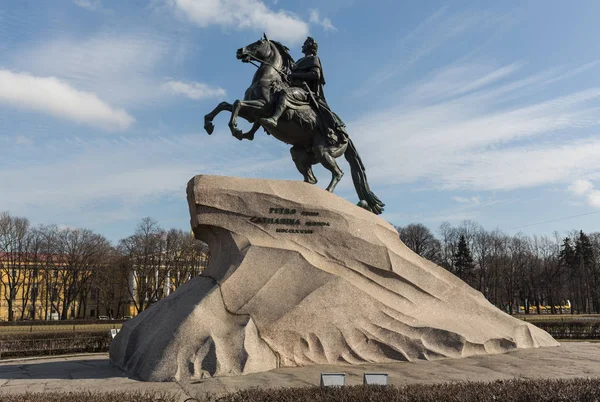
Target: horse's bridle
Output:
[{"x": 264, "y": 62}]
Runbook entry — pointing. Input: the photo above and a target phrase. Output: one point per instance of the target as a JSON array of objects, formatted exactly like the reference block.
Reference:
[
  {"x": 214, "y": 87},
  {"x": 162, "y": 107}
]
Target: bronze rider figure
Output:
[{"x": 308, "y": 72}]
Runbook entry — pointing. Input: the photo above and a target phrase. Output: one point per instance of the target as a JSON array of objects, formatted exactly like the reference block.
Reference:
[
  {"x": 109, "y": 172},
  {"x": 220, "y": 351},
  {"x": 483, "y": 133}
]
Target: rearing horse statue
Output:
[{"x": 299, "y": 126}]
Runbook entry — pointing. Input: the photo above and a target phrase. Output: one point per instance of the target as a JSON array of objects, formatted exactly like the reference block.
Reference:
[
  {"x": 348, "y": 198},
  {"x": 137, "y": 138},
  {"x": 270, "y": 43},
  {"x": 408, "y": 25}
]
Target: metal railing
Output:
[{"x": 571, "y": 330}]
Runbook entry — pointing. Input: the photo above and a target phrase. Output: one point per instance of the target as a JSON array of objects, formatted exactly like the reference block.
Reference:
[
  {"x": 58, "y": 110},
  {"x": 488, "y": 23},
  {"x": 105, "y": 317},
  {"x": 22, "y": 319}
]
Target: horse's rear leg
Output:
[
  {"x": 208, "y": 125},
  {"x": 323, "y": 156},
  {"x": 304, "y": 161}
]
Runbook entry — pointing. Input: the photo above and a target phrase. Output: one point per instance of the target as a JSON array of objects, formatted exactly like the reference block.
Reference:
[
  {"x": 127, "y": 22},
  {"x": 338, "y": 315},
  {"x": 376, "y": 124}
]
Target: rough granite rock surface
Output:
[{"x": 350, "y": 292}]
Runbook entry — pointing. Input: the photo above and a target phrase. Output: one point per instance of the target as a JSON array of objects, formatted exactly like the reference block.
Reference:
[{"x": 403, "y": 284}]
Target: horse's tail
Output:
[{"x": 359, "y": 177}]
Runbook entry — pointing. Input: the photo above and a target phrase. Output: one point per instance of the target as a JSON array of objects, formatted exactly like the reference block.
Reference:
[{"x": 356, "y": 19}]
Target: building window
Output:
[{"x": 92, "y": 313}]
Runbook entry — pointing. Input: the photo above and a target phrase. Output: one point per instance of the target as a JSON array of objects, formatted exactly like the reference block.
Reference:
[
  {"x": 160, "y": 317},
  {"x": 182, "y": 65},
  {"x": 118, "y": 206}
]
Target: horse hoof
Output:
[
  {"x": 209, "y": 127},
  {"x": 364, "y": 205},
  {"x": 237, "y": 133}
]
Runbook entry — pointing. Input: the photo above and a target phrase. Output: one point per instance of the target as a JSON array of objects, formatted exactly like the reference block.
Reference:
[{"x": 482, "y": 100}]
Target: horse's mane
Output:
[{"x": 288, "y": 60}]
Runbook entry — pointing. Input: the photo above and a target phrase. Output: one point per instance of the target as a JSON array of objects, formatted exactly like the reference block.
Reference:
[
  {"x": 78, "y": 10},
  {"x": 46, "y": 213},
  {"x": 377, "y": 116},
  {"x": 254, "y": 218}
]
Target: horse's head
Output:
[{"x": 259, "y": 50}]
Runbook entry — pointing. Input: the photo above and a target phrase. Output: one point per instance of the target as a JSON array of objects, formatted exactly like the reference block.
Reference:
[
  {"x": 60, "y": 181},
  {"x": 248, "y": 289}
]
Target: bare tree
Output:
[
  {"x": 31, "y": 283},
  {"x": 482, "y": 252},
  {"x": 194, "y": 261},
  {"x": 449, "y": 243},
  {"x": 498, "y": 268},
  {"x": 59, "y": 269},
  {"x": 145, "y": 251},
  {"x": 111, "y": 285},
  {"x": 81, "y": 252},
  {"x": 469, "y": 229},
  {"x": 419, "y": 239},
  {"x": 594, "y": 273},
  {"x": 13, "y": 259}
]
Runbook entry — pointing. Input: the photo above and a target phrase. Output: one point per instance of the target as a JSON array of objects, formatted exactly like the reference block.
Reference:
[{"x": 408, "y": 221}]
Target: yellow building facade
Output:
[
  {"x": 34, "y": 288},
  {"x": 44, "y": 289}
]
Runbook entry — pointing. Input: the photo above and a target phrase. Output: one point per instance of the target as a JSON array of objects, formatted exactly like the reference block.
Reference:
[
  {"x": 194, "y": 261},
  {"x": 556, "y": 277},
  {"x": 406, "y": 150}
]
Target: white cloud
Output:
[
  {"x": 433, "y": 33},
  {"x": 92, "y": 5},
  {"x": 593, "y": 199},
  {"x": 449, "y": 138},
  {"x": 451, "y": 217},
  {"x": 585, "y": 188},
  {"x": 23, "y": 140},
  {"x": 53, "y": 96},
  {"x": 244, "y": 14},
  {"x": 476, "y": 125},
  {"x": 116, "y": 175},
  {"x": 120, "y": 68},
  {"x": 519, "y": 167},
  {"x": 324, "y": 22},
  {"x": 450, "y": 82},
  {"x": 468, "y": 200},
  {"x": 194, "y": 90},
  {"x": 581, "y": 187}
]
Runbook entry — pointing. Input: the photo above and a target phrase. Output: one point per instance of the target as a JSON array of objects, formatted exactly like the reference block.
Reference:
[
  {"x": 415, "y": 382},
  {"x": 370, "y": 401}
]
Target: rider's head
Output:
[{"x": 310, "y": 46}]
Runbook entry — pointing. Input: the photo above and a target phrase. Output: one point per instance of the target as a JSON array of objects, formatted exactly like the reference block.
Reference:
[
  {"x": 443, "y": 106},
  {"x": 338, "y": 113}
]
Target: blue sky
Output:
[{"x": 487, "y": 111}]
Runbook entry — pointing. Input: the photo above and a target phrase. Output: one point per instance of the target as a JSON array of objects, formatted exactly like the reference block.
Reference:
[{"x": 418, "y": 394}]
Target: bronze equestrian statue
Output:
[{"x": 286, "y": 98}]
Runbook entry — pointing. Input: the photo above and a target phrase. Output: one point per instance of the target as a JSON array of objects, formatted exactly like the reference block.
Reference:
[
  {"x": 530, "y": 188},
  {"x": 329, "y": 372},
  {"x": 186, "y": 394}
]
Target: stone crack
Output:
[{"x": 229, "y": 311}]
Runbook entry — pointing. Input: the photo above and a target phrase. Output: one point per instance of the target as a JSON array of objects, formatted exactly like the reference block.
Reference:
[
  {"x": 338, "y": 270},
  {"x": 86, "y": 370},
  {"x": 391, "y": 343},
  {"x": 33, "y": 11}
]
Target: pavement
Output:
[{"x": 93, "y": 372}]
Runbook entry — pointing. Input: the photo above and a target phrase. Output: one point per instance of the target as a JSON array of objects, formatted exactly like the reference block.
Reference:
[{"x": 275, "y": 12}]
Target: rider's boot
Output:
[
  {"x": 268, "y": 121},
  {"x": 272, "y": 121}
]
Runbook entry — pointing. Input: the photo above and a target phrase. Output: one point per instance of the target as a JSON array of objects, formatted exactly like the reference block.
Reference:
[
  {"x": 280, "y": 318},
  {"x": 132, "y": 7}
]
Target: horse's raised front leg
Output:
[
  {"x": 237, "y": 106},
  {"x": 250, "y": 134},
  {"x": 208, "y": 125}
]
